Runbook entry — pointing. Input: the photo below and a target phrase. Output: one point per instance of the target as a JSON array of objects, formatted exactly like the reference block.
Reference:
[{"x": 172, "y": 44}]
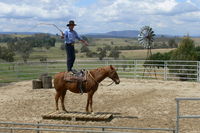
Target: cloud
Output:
[
  {"x": 46, "y": 10},
  {"x": 101, "y": 15},
  {"x": 181, "y": 8},
  {"x": 162, "y": 15}
]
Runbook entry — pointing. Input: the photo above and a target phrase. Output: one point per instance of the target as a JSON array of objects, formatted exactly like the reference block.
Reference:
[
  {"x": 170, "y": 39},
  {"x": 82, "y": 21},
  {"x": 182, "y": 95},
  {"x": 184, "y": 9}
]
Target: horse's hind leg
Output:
[
  {"x": 87, "y": 105},
  {"x": 89, "y": 102},
  {"x": 62, "y": 100},
  {"x": 56, "y": 99}
]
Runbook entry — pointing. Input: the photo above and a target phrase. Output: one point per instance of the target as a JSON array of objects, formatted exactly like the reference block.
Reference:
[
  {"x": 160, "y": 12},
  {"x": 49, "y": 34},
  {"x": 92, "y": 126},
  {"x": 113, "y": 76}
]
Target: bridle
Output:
[{"x": 97, "y": 81}]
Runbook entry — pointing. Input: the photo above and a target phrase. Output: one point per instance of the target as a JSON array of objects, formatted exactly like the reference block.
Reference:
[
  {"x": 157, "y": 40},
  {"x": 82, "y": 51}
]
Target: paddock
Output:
[{"x": 134, "y": 103}]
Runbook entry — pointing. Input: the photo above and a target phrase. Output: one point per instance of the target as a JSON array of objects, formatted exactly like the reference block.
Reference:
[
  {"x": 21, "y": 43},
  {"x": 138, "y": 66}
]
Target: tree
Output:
[
  {"x": 102, "y": 53},
  {"x": 185, "y": 51},
  {"x": 24, "y": 49},
  {"x": 114, "y": 53},
  {"x": 12, "y": 45},
  {"x": 84, "y": 49},
  {"x": 172, "y": 43},
  {"x": 157, "y": 56},
  {"x": 107, "y": 47},
  {"x": 6, "y": 54},
  {"x": 91, "y": 54}
]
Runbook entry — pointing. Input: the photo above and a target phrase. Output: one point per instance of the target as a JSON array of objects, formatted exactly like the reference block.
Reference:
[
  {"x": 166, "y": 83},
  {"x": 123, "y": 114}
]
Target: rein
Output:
[
  {"x": 99, "y": 82},
  {"x": 110, "y": 83}
]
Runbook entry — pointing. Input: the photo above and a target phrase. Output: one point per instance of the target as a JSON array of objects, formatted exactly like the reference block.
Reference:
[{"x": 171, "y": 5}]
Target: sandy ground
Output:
[{"x": 134, "y": 103}]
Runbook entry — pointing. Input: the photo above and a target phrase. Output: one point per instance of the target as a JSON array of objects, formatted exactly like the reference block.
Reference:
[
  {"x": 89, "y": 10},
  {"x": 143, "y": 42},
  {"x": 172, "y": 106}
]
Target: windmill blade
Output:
[
  {"x": 152, "y": 32},
  {"x": 146, "y": 36},
  {"x": 140, "y": 39}
]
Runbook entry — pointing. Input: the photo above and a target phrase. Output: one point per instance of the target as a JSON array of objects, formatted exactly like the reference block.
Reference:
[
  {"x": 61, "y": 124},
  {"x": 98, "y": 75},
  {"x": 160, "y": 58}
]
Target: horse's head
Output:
[{"x": 113, "y": 75}]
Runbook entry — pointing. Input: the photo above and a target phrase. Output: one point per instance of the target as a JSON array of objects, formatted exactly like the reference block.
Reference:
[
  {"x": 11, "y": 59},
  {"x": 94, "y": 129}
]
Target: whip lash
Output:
[{"x": 52, "y": 25}]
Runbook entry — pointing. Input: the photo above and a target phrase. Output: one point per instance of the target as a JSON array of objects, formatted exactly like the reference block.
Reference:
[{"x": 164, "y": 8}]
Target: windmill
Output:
[{"x": 146, "y": 38}]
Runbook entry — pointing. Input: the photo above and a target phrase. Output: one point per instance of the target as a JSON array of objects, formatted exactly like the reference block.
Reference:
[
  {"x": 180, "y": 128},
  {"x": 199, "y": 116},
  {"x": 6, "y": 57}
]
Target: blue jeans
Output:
[{"x": 70, "y": 56}]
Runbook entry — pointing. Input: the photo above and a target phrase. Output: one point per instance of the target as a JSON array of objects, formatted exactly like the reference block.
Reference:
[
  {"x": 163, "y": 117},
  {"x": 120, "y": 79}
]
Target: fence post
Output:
[
  {"x": 11, "y": 130},
  {"x": 165, "y": 70},
  {"x": 47, "y": 67},
  {"x": 17, "y": 72},
  {"x": 177, "y": 116},
  {"x": 135, "y": 68},
  {"x": 198, "y": 71},
  {"x": 38, "y": 131}
]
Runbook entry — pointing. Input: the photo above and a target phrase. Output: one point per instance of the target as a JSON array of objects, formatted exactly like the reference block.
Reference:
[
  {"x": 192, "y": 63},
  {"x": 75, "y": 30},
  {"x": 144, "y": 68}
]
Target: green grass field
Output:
[{"x": 55, "y": 53}]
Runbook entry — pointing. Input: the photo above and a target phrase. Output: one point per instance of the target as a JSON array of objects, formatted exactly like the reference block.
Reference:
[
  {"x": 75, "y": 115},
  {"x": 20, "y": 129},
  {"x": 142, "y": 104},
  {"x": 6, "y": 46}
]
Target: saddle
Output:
[{"x": 75, "y": 76}]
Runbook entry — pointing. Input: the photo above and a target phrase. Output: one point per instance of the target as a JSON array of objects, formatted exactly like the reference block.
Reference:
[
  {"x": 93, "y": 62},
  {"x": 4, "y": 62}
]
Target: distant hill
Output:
[
  {"x": 121, "y": 34},
  {"x": 20, "y": 33},
  {"x": 111, "y": 34},
  {"x": 115, "y": 34}
]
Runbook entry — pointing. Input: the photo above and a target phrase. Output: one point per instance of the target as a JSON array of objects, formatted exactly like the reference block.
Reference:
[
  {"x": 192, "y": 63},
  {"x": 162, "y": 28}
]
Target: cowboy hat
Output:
[{"x": 71, "y": 22}]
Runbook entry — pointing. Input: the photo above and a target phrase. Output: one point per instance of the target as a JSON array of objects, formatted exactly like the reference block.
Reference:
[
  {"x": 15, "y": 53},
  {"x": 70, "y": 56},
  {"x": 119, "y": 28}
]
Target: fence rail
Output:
[
  {"x": 78, "y": 128},
  {"x": 178, "y": 116},
  {"x": 149, "y": 69}
]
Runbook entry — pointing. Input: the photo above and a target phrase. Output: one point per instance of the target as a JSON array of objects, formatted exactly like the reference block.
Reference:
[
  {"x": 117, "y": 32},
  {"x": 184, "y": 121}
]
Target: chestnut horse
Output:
[{"x": 94, "y": 77}]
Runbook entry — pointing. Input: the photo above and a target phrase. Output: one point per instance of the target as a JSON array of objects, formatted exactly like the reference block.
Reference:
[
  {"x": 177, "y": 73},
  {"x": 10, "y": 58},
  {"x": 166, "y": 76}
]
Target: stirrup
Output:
[
  {"x": 81, "y": 91},
  {"x": 74, "y": 71}
]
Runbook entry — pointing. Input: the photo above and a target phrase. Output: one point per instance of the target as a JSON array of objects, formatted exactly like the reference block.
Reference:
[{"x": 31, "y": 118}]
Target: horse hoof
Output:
[
  {"x": 65, "y": 111},
  {"x": 87, "y": 112},
  {"x": 92, "y": 113}
]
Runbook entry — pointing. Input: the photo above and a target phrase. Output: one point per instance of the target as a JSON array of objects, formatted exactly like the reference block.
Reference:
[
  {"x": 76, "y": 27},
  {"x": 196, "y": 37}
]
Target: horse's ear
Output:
[{"x": 111, "y": 67}]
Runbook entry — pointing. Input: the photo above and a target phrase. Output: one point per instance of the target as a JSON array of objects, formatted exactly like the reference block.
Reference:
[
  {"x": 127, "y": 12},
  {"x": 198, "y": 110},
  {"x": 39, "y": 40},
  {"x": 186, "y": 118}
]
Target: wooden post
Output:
[
  {"x": 36, "y": 84},
  {"x": 47, "y": 82}
]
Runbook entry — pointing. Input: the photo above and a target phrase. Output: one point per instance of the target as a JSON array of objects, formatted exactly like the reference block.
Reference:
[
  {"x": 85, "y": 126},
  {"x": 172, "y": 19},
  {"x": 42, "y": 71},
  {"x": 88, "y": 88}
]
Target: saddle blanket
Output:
[{"x": 75, "y": 76}]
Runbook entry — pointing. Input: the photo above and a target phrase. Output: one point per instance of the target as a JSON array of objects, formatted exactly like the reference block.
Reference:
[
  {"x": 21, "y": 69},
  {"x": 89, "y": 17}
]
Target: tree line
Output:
[
  {"x": 101, "y": 52},
  {"x": 24, "y": 46}
]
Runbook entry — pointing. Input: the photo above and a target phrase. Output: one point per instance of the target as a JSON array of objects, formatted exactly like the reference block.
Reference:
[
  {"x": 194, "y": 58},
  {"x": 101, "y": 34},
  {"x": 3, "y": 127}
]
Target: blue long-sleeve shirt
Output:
[{"x": 70, "y": 36}]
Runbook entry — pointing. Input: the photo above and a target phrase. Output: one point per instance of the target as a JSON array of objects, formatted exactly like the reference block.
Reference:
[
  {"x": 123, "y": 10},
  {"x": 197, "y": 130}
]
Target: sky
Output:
[{"x": 173, "y": 17}]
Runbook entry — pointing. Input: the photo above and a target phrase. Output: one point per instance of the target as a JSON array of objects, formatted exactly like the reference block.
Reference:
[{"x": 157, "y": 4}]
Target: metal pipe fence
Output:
[
  {"x": 11, "y": 126},
  {"x": 147, "y": 69},
  {"x": 178, "y": 116}
]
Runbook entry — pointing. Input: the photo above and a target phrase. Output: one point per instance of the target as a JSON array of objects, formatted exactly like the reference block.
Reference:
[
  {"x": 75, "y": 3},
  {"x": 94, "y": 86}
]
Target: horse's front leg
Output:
[{"x": 89, "y": 102}]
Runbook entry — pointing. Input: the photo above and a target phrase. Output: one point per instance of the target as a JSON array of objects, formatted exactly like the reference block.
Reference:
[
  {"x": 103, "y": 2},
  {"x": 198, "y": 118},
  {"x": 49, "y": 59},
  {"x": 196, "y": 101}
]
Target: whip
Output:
[{"x": 52, "y": 25}]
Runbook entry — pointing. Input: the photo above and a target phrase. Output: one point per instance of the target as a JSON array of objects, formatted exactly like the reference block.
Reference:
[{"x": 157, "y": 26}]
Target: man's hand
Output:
[
  {"x": 62, "y": 36},
  {"x": 85, "y": 42}
]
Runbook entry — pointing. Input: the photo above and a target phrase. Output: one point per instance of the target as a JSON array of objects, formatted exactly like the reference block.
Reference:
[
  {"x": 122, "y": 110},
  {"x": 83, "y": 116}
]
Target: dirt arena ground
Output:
[{"x": 135, "y": 103}]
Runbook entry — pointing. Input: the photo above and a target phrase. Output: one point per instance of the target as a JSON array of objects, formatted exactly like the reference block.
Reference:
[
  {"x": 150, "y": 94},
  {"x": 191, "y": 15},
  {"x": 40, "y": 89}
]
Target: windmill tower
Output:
[{"x": 146, "y": 38}]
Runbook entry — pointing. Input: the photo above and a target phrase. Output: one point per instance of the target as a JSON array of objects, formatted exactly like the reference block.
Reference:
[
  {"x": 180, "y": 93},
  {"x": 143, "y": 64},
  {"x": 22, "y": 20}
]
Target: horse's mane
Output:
[{"x": 100, "y": 69}]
